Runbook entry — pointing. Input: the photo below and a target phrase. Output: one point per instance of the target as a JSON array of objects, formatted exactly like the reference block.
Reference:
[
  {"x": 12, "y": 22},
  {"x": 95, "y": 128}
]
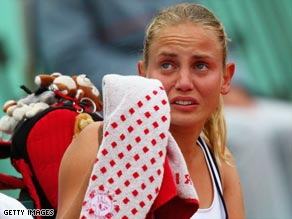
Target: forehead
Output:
[{"x": 187, "y": 36}]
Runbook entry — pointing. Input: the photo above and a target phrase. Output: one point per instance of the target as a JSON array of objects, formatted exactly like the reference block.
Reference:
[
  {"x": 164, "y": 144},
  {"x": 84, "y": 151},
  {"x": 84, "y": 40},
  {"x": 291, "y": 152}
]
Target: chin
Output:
[
  {"x": 183, "y": 121},
  {"x": 187, "y": 120}
]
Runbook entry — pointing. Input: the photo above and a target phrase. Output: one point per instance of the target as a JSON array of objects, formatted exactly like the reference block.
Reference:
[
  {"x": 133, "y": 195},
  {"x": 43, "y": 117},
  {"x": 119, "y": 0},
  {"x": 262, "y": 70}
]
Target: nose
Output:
[{"x": 184, "y": 80}]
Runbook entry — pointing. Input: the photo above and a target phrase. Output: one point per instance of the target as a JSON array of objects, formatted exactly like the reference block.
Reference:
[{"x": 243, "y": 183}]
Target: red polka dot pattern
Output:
[{"x": 128, "y": 172}]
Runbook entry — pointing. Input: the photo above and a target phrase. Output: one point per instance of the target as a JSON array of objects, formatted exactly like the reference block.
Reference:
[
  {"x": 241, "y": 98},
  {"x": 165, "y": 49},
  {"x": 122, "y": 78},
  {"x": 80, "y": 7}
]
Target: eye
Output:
[
  {"x": 201, "y": 66},
  {"x": 166, "y": 66}
]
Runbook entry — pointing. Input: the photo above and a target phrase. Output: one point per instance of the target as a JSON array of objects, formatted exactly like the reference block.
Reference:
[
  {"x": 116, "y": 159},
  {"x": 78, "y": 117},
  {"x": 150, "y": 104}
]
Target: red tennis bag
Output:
[{"x": 37, "y": 147}]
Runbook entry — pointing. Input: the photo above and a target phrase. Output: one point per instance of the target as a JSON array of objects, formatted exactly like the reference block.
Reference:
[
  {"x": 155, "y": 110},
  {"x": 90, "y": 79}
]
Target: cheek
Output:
[
  {"x": 210, "y": 88},
  {"x": 165, "y": 80}
]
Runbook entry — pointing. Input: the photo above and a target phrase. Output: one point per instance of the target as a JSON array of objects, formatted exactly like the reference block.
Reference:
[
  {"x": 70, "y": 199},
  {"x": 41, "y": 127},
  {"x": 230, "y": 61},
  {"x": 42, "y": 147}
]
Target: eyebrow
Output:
[
  {"x": 196, "y": 56},
  {"x": 167, "y": 54}
]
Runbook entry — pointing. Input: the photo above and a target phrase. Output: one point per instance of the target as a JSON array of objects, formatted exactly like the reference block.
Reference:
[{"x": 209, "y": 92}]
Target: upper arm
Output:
[
  {"x": 75, "y": 170},
  {"x": 232, "y": 190}
]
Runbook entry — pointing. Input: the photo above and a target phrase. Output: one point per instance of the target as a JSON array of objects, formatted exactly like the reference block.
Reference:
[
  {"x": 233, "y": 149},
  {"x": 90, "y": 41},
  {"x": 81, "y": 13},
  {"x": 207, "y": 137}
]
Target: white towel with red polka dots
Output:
[{"x": 128, "y": 172}]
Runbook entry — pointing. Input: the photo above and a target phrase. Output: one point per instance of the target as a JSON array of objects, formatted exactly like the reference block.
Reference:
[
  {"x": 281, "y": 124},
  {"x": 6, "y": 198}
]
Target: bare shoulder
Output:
[
  {"x": 232, "y": 190},
  {"x": 82, "y": 150},
  {"x": 228, "y": 171},
  {"x": 76, "y": 165},
  {"x": 86, "y": 143}
]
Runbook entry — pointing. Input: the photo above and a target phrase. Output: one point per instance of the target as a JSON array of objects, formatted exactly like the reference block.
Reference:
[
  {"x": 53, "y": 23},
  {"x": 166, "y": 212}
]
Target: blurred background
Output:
[{"x": 258, "y": 111}]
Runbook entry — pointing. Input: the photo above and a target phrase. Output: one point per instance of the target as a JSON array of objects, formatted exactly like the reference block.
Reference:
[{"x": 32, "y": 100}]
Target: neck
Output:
[{"x": 186, "y": 139}]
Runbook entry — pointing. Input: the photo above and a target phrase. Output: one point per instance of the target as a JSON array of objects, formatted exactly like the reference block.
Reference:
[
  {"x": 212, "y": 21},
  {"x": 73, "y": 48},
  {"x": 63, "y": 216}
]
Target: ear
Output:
[
  {"x": 141, "y": 69},
  {"x": 226, "y": 83}
]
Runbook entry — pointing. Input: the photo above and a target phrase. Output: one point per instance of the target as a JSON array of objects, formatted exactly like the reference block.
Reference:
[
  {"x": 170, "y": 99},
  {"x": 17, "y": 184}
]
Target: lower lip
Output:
[{"x": 185, "y": 108}]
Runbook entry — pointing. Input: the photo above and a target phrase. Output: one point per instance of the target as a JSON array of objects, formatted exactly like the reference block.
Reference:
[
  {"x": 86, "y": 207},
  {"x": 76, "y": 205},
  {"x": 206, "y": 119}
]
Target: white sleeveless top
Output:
[{"x": 217, "y": 210}]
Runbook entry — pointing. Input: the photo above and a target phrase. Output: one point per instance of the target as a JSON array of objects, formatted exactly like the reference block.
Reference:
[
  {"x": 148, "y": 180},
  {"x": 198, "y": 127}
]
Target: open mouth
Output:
[{"x": 184, "y": 102}]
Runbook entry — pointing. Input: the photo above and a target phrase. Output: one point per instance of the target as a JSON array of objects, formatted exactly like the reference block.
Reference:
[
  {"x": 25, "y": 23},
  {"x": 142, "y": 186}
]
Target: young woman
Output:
[{"x": 186, "y": 49}]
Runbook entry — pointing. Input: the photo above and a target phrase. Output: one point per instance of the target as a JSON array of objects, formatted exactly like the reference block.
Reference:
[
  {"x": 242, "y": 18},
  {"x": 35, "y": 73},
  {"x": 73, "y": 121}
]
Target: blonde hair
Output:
[{"x": 214, "y": 131}]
